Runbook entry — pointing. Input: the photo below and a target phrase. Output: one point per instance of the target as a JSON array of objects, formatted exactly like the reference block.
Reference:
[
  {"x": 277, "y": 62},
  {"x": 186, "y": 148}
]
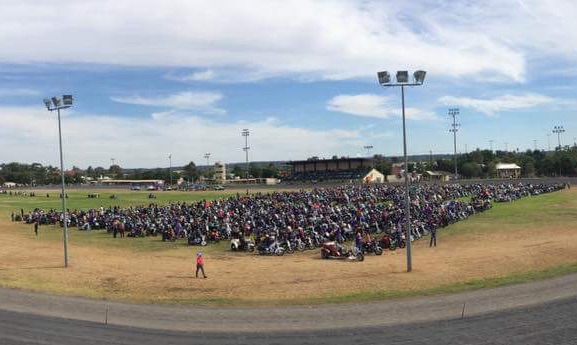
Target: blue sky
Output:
[{"x": 185, "y": 77}]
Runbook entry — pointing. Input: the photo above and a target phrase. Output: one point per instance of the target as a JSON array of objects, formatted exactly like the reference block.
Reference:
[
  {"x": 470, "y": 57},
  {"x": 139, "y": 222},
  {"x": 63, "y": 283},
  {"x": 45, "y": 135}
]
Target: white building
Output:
[{"x": 508, "y": 170}]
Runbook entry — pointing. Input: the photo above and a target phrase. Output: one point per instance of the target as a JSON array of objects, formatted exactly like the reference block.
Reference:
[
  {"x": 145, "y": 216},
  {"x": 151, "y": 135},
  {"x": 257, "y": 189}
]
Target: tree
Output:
[
  {"x": 238, "y": 171},
  {"x": 255, "y": 170},
  {"x": 471, "y": 169},
  {"x": 191, "y": 171},
  {"x": 270, "y": 171},
  {"x": 115, "y": 171},
  {"x": 384, "y": 167}
]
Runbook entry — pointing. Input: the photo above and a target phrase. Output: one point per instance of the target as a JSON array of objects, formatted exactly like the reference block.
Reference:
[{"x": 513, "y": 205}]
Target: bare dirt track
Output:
[{"x": 247, "y": 279}]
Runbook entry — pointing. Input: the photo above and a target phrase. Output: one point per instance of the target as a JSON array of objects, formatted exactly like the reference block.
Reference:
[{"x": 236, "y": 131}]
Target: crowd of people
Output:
[{"x": 337, "y": 213}]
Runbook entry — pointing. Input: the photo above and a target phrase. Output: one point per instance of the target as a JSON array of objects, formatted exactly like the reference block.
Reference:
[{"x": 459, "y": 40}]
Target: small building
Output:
[
  {"x": 439, "y": 176},
  {"x": 374, "y": 176},
  {"x": 219, "y": 175},
  {"x": 508, "y": 170}
]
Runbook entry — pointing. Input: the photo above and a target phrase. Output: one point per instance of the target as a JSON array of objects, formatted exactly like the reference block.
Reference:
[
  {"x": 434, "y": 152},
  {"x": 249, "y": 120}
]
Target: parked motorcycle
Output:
[
  {"x": 333, "y": 250},
  {"x": 372, "y": 247},
  {"x": 273, "y": 249},
  {"x": 237, "y": 244},
  {"x": 392, "y": 242}
]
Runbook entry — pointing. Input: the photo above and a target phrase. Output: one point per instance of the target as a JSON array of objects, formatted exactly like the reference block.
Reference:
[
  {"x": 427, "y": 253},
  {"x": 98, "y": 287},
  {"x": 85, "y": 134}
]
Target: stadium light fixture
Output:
[
  {"x": 402, "y": 77},
  {"x": 419, "y": 77},
  {"x": 55, "y": 103},
  {"x": 384, "y": 77},
  {"x": 402, "y": 81}
]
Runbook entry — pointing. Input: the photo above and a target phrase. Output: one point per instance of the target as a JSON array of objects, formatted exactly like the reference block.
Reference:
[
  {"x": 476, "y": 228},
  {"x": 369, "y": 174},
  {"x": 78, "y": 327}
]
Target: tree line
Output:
[{"x": 475, "y": 164}]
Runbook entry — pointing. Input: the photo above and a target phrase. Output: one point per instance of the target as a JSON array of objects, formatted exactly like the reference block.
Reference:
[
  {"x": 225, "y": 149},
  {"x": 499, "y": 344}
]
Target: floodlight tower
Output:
[
  {"x": 402, "y": 81},
  {"x": 454, "y": 129},
  {"x": 558, "y": 130},
  {"x": 52, "y": 104},
  {"x": 245, "y": 134},
  {"x": 207, "y": 156}
]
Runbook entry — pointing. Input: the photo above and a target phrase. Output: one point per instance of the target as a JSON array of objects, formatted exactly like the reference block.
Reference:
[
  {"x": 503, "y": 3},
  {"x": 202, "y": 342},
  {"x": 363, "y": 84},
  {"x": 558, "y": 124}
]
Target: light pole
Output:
[
  {"x": 402, "y": 81},
  {"x": 454, "y": 129},
  {"x": 558, "y": 130},
  {"x": 52, "y": 104},
  {"x": 245, "y": 134},
  {"x": 534, "y": 144},
  {"x": 491, "y": 143},
  {"x": 549, "y": 142},
  {"x": 369, "y": 148},
  {"x": 207, "y": 156},
  {"x": 170, "y": 167}
]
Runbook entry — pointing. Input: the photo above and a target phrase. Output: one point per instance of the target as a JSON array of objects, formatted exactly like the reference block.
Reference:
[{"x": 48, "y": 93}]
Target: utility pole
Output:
[
  {"x": 454, "y": 129},
  {"x": 491, "y": 143},
  {"x": 170, "y": 167}
]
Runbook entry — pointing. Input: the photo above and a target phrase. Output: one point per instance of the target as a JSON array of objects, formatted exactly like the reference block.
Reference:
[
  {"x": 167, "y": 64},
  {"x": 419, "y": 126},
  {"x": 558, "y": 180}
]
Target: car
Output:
[
  {"x": 217, "y": 187},
  {"x": 149, "y": 188},
  {"x": 135, "y": 188}
]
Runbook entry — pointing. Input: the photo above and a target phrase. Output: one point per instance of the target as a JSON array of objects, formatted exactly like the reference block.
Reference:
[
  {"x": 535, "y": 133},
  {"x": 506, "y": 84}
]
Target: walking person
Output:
[
  {"x": 433, "y": 237},
  {"x": 200, "y": 264}
]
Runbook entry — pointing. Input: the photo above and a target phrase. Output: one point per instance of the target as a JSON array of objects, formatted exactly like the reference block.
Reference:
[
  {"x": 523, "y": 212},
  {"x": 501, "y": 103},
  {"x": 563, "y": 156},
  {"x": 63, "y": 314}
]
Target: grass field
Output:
[{"x": 514, "y": 242}]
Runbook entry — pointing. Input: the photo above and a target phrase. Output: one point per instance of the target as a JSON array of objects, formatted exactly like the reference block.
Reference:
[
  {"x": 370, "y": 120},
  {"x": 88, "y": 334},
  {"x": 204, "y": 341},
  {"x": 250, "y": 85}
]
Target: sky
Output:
[{"x": 182, "y": 78}]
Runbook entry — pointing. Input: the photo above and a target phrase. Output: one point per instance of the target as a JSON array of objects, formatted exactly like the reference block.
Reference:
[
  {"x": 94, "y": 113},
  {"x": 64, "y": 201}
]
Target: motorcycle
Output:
[
  {"x": 287, "y": 246},
  {"x": 196, "y": 239},
  {"x": 237, "y": 244},
  {"x": 274, "y": 249},
  {"x": 372, "y": 247},
  {"x": 333, "y": 250},
  {"x": 392, "y": 242}
]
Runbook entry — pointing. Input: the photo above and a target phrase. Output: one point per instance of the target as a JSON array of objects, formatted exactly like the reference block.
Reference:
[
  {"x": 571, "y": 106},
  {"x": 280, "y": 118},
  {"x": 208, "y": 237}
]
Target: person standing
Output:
[
  {"x": 433, "y": 237},
  {"x": 359, "y": 241},
  {"x": 200, "y": 264},
  {"x": 36, "y": 227}
]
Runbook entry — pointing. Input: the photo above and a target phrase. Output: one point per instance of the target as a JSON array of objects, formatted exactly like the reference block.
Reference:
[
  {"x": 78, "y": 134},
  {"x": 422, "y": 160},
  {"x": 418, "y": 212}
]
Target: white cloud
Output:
[
  {"x": 316, "y": 39},
  {"x": 32, "y": 136},
  {"x": 499, "y": 104},
  {"x": 195, "y": 76},
  {"x": 366, "y": 105},
  {"x": 370, "y": 105},
  {"x": 5, "y": 92},
  {"x": 204, "y": 101}
]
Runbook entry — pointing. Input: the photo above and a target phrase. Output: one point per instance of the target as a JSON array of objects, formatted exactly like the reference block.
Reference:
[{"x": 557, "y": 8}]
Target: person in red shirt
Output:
[{"x": 200, "y": 264}]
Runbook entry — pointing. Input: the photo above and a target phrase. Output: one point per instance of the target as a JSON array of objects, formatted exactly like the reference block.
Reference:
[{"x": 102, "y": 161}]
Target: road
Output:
[
  {"x": 549, "y": 323},
  {"x": 541, "y": 312}
]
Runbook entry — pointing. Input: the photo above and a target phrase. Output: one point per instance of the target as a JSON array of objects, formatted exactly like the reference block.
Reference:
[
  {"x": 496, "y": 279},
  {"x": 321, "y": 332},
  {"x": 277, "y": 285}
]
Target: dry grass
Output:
[{"x": 167, "y": 276}]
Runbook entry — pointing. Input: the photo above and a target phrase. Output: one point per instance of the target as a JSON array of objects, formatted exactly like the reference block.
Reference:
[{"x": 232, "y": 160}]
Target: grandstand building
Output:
[{"x": 330, "y": 169}]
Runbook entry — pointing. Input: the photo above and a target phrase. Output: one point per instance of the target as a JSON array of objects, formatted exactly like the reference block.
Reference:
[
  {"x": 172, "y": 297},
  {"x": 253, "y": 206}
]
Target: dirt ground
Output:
[{"x": 168, "y": 276}]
